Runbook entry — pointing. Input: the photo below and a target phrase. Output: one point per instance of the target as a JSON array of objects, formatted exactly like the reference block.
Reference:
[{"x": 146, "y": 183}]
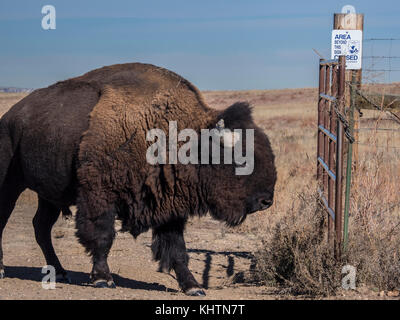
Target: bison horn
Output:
[{"x": 220, "y": 124}]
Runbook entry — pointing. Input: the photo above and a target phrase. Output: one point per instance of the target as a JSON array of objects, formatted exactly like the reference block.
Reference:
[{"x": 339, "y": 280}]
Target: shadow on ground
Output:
[
  {"x": 82, "y": 279},
  {"x": 230, "y": 269}
]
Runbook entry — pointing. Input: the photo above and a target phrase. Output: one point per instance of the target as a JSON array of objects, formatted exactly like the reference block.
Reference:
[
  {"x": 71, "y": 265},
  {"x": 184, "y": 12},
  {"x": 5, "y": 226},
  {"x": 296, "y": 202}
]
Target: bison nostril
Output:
[{"x": 266, "y": 203}]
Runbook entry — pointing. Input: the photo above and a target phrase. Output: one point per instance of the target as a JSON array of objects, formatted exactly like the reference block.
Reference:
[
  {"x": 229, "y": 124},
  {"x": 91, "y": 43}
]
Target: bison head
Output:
[{"x": 239, "y": 188}]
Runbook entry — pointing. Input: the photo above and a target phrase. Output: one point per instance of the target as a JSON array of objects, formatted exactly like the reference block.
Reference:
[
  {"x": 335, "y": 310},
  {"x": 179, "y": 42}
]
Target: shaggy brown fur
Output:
[
  {"x": 113, "y": 166},
  {"x": 83, "y": 141}
]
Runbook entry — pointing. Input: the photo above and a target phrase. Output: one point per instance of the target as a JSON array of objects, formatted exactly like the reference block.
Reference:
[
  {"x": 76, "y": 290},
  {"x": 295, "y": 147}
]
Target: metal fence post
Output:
[
  {"x": 339, "y": 160},
  {"x": 349, "y": 162},
  {"x": 331, "y": 122},
  {"x": 320, "y": 140}
]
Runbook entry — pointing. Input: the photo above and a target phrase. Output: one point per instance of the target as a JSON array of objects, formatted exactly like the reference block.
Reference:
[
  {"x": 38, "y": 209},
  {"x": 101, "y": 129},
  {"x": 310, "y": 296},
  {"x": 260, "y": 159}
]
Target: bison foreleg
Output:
[
  {"x": 169, "y": 249},
  {"x": 97, "y": 236}
]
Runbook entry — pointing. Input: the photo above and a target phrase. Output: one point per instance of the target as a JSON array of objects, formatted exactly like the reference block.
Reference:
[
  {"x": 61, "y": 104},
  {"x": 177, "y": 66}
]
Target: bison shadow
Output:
[
  {"x": 230, "y": 269},
  {"x": 82, "y": 279}
]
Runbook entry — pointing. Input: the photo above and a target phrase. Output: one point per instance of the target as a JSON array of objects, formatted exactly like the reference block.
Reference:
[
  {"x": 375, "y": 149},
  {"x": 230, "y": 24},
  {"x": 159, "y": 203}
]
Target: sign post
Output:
[{"x": 347, "y": 35}]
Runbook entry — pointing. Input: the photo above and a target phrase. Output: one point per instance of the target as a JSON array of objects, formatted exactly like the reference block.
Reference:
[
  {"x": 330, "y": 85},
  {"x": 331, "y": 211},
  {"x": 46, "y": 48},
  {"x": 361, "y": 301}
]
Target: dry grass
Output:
[
  {"x": 294, "y": 254},
  {"x": 374, "y": 237},
  {"x": 9, "y": 99}
]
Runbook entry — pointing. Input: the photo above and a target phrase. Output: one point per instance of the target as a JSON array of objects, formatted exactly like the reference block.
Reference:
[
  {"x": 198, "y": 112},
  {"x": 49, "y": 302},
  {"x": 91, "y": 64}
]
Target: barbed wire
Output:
[
  {"x": 377, "y": 129},
  {"x": 382, "y": 70},
  {"x": 381, "y": 57},
  {"x": 382, "y": 39},
  {"x": 376, "y": 146},
  {"x": 394, "y": 116},
  {"x": 381, "y": 63},
  {"x": 346, "y": 124}
]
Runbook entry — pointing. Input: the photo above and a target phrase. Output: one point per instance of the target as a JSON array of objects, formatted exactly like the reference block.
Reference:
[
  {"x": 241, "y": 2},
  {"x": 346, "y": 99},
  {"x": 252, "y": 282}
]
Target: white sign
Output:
[{"x": 348, "y": 43}]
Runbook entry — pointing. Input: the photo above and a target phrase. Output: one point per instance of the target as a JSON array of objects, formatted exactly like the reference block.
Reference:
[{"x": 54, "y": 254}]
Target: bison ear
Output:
[
  {"x": 237, "y": 116},
  {"x": 228, "y": 137}
]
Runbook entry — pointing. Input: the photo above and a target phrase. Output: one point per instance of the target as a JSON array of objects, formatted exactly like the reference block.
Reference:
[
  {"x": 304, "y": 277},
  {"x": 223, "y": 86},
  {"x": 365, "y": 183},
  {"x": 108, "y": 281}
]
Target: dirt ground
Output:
[
  {"x": 220, "y": 257},
  {"x": 217, "y": 256}
]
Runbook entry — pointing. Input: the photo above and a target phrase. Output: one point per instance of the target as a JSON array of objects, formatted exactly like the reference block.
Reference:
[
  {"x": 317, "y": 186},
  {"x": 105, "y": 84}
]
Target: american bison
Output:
[{"x": 83, "y": 142}]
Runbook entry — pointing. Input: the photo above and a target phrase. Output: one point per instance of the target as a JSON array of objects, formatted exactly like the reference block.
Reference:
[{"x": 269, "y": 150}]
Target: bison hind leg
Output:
[
  {"x": 169, "y": 249},
  {"x": 10, "y": 190}
]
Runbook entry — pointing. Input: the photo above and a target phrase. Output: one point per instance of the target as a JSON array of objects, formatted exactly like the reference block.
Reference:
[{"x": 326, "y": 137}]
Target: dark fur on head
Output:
[
  {"x": 237, "y": 116},
  {"x": 229, "y": 194}
]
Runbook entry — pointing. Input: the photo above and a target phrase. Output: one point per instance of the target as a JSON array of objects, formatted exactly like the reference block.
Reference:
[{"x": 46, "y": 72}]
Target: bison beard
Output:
[{"x": 94, "y": 156}]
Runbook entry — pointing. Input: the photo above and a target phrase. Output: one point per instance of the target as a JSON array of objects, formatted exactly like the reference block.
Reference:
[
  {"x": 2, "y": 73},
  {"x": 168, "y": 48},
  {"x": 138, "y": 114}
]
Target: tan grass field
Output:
[{"x": 289, "y": 119}]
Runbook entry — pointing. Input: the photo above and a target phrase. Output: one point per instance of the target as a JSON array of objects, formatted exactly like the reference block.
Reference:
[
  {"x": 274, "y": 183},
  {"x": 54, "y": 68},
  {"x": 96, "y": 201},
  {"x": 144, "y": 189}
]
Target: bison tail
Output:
[{"x": 6, "y": 154}]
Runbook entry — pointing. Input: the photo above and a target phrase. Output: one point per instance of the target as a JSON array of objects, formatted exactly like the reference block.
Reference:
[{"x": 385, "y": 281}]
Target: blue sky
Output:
[{"x": 217, "y": 45}]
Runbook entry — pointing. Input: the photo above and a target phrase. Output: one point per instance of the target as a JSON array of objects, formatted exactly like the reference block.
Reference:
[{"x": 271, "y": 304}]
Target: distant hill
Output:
[{"x": 14, "y": 89}]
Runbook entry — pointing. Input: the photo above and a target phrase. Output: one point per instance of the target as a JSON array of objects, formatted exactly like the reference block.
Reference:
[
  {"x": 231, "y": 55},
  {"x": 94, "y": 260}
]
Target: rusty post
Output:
[
  {"x": 339, "y": 160},
  {"x": 326, "y": 123},
  {"x": 327, "y": 145},
  {"x": 320, "y": 140},
  {"x": 332, "y": 144},
  {"x": 334, "y": 90}
]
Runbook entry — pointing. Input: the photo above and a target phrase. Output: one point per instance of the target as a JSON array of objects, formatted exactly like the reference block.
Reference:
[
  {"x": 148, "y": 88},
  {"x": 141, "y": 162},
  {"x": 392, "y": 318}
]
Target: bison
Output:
[{"x": 83, "y": 142}]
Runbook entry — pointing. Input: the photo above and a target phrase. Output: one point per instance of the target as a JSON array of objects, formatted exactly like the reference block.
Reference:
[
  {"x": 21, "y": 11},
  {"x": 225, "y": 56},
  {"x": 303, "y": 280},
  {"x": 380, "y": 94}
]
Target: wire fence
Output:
[
  {"x": 381, "y": 60},
  {"x": 379, "y": 129}
]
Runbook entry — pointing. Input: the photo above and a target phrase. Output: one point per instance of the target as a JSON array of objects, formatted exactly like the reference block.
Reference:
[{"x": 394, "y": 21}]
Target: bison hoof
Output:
[
  {"x": 104, "y": 284},
  {"x": 63, "y": 278},
  {"x": 195, "y": 292},
  {"x": 2, "y": 274}
]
